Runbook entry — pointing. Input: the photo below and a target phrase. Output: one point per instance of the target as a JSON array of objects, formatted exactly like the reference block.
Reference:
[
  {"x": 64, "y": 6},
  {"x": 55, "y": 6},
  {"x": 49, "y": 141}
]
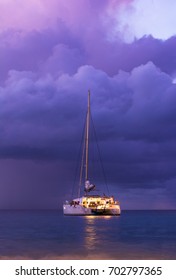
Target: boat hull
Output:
[{"x": 79, "y": 210}]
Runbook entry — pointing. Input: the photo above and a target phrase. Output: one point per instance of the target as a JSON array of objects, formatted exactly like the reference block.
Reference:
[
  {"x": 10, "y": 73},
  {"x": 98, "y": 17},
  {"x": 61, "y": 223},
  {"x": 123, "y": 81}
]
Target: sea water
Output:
[{"x": 47, "y": 234}]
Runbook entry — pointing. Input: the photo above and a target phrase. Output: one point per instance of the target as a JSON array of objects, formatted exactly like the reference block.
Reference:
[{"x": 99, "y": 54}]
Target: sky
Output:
[{"x": 51, "y": 53}]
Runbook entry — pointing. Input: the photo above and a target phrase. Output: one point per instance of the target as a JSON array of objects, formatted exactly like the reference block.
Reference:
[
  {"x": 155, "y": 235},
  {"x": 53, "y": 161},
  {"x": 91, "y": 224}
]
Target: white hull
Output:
[{"x": 79, "y": 210}]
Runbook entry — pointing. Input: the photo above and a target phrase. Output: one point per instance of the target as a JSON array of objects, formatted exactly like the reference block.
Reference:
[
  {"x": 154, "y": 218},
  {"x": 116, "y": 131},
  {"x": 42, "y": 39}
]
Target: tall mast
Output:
[{"x": 87, "y": 135}]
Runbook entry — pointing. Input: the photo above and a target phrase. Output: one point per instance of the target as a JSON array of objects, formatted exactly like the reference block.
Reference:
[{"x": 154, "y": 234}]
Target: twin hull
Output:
[
  {"x": 79, "y": 210},
  {"x": 87, "y": 206}
]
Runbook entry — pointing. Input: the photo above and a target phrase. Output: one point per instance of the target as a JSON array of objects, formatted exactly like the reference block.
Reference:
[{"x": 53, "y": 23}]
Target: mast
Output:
[{"x": 87, "y": 135}]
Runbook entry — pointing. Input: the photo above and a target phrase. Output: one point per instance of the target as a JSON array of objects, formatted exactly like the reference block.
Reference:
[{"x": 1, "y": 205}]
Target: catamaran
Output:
[{"x": 90, "y": 204}]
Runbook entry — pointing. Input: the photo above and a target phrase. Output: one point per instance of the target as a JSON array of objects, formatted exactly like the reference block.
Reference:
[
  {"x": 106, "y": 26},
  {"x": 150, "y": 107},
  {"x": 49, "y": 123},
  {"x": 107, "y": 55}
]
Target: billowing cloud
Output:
[
  {"x": 31, "y": 101},
  {"x": 133, "y": 112}
]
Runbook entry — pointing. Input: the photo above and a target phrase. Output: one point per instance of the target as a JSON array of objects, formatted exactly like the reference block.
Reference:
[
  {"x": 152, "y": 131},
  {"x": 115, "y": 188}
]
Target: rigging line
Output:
[
  {"x": 93, "y": 156},
  {"x": 78, "y": 161},
  {"x": 101, "y": 162}
]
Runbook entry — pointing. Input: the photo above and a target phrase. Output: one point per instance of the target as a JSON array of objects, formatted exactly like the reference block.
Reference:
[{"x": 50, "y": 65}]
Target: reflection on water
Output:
[
  {"x": 50, "y": 235},
  {"x": 93, "y": 234}
]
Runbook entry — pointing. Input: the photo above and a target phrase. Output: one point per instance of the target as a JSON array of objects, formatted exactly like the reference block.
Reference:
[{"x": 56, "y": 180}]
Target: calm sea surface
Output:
[{"x": 50, "y": 235}]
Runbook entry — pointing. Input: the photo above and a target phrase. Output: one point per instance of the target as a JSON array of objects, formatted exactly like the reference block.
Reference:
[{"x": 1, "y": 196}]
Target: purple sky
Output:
[{"x": 51, "y": 53}]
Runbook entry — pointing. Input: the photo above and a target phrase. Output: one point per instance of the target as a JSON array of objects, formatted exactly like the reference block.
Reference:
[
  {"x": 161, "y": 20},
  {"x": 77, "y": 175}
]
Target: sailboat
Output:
[{"x": 90, "y": 204}]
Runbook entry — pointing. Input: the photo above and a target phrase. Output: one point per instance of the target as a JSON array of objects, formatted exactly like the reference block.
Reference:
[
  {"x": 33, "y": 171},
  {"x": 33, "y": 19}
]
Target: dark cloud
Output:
[
  {"x": 63, "y": 49},
  {"x": 31, "y": 50},
  {"x": 134, "y": 116},
  {"x": 44, "y": 111}
]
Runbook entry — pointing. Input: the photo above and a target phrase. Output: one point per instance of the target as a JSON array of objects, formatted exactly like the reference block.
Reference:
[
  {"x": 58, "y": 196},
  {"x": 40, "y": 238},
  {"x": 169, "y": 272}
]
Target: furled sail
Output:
[{"x": 88, "y": 187}]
